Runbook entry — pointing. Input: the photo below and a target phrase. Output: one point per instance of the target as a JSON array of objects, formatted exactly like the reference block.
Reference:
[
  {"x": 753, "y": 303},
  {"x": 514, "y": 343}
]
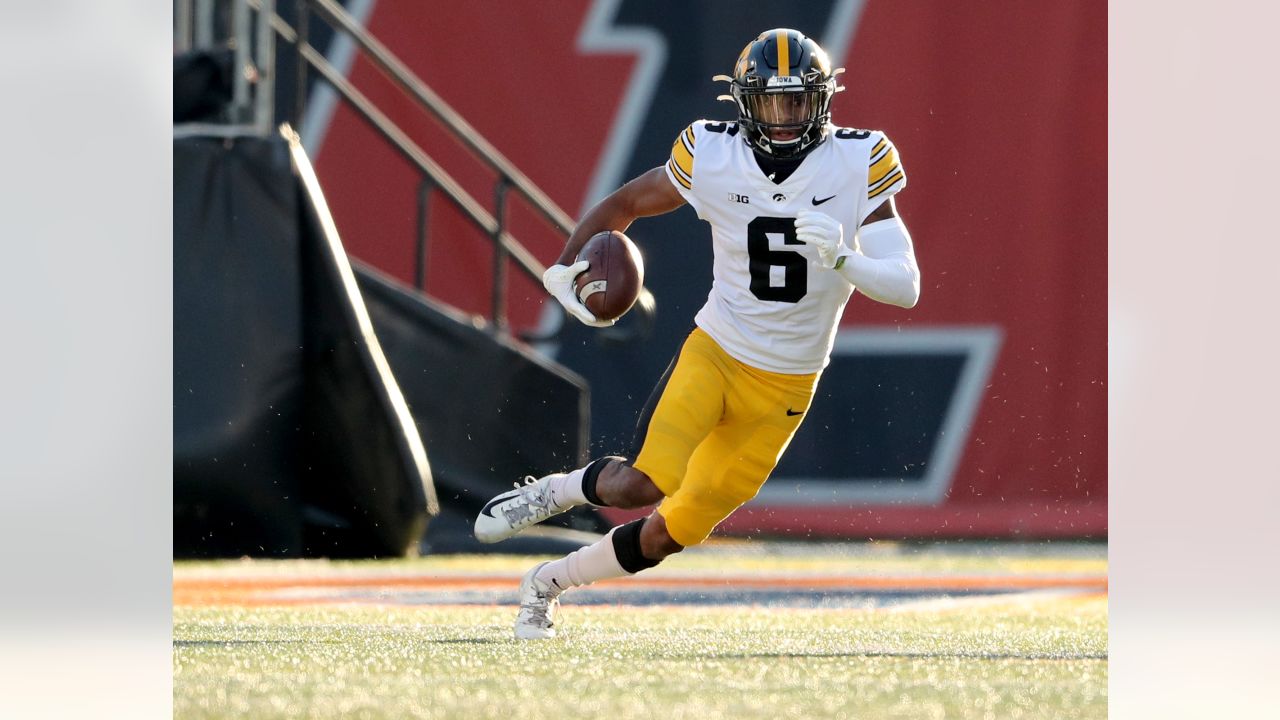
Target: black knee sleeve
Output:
[
  {"x": 591, "y": 475},
  {"x": 626, "y": 545}
]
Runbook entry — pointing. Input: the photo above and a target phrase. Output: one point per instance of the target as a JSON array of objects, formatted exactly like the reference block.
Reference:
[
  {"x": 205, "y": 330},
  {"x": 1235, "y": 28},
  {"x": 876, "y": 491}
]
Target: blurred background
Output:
[{"x": 363, "y": 353}]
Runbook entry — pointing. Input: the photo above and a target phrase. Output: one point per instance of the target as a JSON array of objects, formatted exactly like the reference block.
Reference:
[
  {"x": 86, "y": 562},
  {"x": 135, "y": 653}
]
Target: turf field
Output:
[{"x": 728, "y": 630}]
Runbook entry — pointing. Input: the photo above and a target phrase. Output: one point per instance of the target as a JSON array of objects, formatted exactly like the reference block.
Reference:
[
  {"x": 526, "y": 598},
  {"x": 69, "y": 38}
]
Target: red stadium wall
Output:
[
  {"x": 999, "y": 112},
  {"x": 1003, "y": 109}
]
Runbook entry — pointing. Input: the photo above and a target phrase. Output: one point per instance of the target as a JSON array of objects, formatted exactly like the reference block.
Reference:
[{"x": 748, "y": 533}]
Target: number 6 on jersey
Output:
[{"x": 763, "y": 260}]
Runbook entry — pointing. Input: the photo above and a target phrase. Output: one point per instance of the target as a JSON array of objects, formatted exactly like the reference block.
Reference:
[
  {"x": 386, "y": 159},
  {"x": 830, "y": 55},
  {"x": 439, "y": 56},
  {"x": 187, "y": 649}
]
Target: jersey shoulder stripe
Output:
[
  {"x": 679, "y": 175},
  {"x": 681, "y": 162},
  {"x": 884, "y": 169}
]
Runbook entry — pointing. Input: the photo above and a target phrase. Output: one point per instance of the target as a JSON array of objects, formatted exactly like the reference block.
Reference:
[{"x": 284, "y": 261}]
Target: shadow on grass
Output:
[
  {"x": 231, "y": 643},
  {"x": 226, "y": 643},
  {"x": 911, "y": 655}
]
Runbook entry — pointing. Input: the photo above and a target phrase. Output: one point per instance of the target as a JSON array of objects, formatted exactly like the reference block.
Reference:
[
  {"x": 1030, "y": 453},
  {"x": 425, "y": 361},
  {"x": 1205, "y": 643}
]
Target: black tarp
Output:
[
  {"x": 490, "y": 409},
  {"x": 237, "y": 360},
  {"x": 290, "y": 434}
]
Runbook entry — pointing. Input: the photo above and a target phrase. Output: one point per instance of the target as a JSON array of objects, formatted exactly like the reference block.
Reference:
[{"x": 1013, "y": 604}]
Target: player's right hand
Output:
[
  {"x": 824, "y": 233},
  {"x": 558, "y": 280}
]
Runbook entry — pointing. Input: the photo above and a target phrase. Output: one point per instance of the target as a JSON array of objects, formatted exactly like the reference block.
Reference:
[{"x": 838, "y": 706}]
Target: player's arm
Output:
[
  {"x": 650, "y": 194},
  {"x": 886, "y": 211},
  {"x": 882, "y": 262}
]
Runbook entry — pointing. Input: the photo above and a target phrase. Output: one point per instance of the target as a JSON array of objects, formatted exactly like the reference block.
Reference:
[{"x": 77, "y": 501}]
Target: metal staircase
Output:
[{"x": 250, "y": 28}]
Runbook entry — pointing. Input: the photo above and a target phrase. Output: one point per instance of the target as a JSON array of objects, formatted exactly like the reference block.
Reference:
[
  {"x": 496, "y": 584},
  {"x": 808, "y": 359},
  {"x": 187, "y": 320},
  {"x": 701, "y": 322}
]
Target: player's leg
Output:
[
  {"x": 725, "y": 470},
  {"x": 605, "y": 482},
  {"x": 669, "y": 428},
  {"x": 735, "y": 460},
  {"x": 708, "y": 492},
  {"x": 685, "y": 407},
  {"x": 538, "y": 499},
  {"x": 683, "y": 418},
  {"x": 623, "y": 551},
  {"x": 621, "y": 485}
]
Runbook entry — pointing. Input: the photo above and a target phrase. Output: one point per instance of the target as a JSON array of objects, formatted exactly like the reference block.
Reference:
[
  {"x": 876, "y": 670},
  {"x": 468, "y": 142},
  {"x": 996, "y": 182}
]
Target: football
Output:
[{"x": 610, "y": 286}]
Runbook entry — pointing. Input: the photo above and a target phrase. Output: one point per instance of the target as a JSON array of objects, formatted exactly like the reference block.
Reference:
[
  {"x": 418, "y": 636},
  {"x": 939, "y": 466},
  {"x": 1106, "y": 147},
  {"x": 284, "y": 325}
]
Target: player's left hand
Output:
[
  {"x": 824, "y": 233},
  {"x": 558, "y": 280}
]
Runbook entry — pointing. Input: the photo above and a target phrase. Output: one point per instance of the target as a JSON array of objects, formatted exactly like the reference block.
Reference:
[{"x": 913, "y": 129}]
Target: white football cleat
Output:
[
  {"x": 538, "y": 608},
  {"x": 515, "y": 510}
]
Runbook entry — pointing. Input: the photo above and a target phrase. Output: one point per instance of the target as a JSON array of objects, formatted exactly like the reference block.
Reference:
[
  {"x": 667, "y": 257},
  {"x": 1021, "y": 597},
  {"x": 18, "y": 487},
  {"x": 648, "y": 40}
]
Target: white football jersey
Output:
[{"x": 770, "y": 306}]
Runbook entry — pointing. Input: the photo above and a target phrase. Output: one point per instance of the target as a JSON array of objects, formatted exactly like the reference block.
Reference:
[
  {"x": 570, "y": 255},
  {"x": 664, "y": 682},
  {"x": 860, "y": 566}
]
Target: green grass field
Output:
[{"x": 406, "y": 651}]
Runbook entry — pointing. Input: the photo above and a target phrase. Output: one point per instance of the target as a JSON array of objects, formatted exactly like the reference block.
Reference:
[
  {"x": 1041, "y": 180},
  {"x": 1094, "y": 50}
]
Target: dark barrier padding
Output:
[
  {"x": 286, "y": 442},
  {"x": 237, "y": 363},
  {"x": 202, "y": 85},
  {"x": 365, "y": 479},
  {"x": 490, "y": 410}
]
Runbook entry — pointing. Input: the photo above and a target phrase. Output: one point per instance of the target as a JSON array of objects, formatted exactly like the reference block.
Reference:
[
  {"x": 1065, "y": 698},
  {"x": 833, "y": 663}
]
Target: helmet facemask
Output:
[
  {"x": 783, "y": 120},
  {"x": 783, "y": 112}
]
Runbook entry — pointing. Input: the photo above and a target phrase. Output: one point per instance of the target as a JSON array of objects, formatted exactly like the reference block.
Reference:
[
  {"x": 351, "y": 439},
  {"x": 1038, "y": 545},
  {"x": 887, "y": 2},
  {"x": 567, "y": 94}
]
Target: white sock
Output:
[
  {"x": 583, "y": 566},
  {"x": 566, "y": 488}
]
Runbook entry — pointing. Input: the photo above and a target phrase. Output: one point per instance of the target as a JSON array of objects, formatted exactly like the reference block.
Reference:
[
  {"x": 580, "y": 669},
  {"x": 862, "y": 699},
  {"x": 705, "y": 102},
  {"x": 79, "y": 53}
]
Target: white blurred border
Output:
[
  {"x": 1195, "y": 382},
  {"x": 85, "y": 372},
  {"x": 85, "y": 439}
]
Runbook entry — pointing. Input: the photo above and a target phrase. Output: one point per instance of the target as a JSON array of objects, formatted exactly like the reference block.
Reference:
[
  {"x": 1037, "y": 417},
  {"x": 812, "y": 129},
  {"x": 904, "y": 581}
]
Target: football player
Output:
[{"x": 801, "y": 213}]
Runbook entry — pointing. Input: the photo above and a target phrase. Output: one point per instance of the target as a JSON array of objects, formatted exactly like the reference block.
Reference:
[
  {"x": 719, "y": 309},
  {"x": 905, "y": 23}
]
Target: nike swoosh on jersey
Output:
[
  {"x": 816, "y": 202},
  {"x": 789, "y": 410}
]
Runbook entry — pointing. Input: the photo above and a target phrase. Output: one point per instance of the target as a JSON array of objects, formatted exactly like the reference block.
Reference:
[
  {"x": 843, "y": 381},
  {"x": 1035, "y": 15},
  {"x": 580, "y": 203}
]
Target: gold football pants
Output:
[{"x": 716, "y": 433}]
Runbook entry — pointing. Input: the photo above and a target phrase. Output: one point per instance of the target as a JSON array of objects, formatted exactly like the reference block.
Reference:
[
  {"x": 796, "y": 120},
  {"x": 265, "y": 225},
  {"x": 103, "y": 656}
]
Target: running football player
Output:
[{"x": 801, "y": 214}]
